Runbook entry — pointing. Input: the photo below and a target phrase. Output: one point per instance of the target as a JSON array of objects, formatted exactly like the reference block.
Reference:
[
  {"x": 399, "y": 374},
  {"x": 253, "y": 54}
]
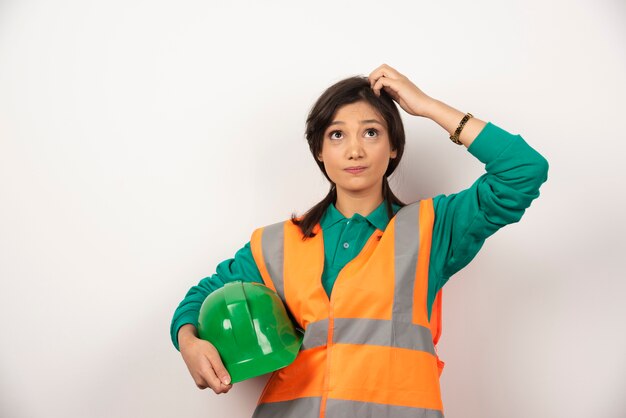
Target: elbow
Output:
[
  {"x": 538, "y": 176},
  {"x": 540, "y": 168},
  {"x": 537, "y": 163}
]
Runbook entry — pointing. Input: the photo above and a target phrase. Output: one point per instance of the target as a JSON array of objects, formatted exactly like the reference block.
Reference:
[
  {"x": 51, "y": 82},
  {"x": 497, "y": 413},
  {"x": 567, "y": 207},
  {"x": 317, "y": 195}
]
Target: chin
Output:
[{"x": 348, "y": 189}]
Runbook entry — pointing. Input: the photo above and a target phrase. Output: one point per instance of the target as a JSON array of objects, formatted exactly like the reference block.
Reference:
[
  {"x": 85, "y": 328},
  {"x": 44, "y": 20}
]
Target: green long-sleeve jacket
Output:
[{"x": 463, "y": 221}]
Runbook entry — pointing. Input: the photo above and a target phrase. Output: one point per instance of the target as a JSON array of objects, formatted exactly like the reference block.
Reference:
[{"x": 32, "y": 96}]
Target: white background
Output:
[{"x": 141, "y": 142}]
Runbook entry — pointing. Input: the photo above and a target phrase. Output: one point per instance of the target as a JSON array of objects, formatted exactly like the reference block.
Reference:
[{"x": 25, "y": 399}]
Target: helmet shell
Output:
[{"x": 250, "y": 328}]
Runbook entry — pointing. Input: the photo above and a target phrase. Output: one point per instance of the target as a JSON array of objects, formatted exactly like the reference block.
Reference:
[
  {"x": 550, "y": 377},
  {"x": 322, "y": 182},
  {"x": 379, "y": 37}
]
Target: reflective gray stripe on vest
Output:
[
  {"x": 370, "y": 331},
  {"x": 382, "y": 332},
  {"x": 298, "y": 408},
  {"x": 316, "y": 334},
  {"x": 273, "y": 246},
  {"x": 339, "y": 408},
  {"x": 406, "y": 248}
]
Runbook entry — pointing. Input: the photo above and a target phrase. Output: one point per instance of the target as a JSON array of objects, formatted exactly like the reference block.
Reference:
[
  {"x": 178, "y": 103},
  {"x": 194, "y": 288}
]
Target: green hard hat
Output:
[{"x": 250, "y": 328}]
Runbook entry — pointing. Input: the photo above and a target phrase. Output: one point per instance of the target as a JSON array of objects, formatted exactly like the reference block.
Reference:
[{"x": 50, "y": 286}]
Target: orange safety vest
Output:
[{"x": 369, "y": 351}]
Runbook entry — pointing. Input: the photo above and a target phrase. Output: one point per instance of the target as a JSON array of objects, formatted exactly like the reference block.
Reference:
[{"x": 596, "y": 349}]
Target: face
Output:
[{"x": 356, "y": 150}]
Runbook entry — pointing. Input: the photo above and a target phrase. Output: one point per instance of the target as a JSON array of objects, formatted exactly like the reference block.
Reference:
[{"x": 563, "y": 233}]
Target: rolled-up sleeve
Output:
[{"x": 241, "y": 267}]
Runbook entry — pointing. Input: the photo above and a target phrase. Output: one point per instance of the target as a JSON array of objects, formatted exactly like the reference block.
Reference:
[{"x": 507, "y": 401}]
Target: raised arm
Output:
[{"x": 464, "y": 220}]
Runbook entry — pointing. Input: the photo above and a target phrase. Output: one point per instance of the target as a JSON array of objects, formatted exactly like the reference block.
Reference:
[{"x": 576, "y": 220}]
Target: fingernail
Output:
[{"x": 226, "y": 380}]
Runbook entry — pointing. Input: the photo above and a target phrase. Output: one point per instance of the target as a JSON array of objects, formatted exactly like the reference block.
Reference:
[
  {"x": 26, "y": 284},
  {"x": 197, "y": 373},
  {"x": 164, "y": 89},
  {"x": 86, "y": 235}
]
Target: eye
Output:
[
  {"x": 331, "y": 135},
  {"x": 374, "y": 131}
]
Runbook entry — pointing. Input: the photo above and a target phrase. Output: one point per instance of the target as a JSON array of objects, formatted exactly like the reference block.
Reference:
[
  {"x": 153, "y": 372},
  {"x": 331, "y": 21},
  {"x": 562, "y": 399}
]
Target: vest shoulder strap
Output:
[{"x": 262, "y": 240}]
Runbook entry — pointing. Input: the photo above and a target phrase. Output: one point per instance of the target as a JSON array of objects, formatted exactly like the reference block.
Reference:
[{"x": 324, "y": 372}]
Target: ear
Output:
[
  {"x": 393, "y": 154},
  {"x": 319, "y": 157}
]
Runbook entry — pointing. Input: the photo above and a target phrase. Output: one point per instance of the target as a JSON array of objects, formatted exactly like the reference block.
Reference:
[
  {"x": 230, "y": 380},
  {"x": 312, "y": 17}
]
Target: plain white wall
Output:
[{"x": 141, "y": 142}]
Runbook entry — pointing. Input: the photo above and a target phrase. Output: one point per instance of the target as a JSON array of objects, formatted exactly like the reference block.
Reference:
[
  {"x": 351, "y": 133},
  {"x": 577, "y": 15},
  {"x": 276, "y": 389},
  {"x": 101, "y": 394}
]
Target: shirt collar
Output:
[{"x": 378, "y": 218}]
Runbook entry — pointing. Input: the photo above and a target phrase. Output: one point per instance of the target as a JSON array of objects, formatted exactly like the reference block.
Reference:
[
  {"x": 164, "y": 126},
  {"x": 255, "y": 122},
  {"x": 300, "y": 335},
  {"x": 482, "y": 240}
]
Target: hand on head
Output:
[{"x": 413, "y": 100}]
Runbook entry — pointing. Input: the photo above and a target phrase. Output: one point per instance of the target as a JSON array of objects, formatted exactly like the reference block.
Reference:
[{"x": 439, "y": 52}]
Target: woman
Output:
[{"x": 389, "y": 261}]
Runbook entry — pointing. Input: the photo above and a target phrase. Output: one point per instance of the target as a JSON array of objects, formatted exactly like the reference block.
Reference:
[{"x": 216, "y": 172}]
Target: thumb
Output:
[{"x": 220, "y": 371}]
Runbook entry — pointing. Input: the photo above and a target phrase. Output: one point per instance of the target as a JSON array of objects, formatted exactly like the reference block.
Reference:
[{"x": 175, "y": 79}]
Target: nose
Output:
[{"x": 354, "y": 148}]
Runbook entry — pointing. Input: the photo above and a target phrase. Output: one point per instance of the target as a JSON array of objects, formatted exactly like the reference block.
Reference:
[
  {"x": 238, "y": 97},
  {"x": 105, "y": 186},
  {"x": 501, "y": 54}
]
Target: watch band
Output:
[{"x": 455, "y": 136}]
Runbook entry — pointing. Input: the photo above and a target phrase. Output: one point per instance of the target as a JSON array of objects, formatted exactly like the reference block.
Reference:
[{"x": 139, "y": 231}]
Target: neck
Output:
[{"x": 349, "y": 204}]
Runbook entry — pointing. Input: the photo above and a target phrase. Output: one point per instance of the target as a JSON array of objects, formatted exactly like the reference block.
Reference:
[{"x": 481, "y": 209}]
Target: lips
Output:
[{"x": 355, "y": 170}]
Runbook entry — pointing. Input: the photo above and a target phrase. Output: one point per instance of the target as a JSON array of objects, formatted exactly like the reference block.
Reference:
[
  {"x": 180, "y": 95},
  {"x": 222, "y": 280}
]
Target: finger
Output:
[
  {"x": 389, "y": 71},
  {"x": 376, "y": 84},
  {"x": 218, "y": 367},
  {"x": 220, "y": 380},
  {"x": 375, "y": 75},
  {"x": 223, "y": 388},
  {"x": 200, "y": 382},
  {"x": 212, "y": 380},
  {"x": 383, "y": 71},
  {"x": 206, "y": 373},
  {"x": 390, "y": 85}
]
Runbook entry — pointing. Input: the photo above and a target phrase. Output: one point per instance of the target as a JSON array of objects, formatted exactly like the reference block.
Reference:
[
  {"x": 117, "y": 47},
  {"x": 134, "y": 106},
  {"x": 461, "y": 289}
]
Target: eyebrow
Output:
[{"x": 338, "y": 122}]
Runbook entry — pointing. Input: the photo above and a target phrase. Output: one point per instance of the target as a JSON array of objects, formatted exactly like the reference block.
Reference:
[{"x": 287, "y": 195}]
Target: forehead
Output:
[{"x": 357, "y": 112}]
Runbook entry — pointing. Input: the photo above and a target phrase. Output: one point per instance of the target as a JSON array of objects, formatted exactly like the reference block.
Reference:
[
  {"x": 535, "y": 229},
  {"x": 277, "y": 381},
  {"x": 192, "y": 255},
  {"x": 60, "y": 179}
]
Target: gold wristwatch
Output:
[{"x": 455, "y": 136}]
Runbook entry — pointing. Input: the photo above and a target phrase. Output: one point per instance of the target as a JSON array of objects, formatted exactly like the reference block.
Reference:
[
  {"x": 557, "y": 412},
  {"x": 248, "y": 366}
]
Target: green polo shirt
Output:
[
  {"x": 463, "y": 221},
  {"x": 346, "y": 238}
]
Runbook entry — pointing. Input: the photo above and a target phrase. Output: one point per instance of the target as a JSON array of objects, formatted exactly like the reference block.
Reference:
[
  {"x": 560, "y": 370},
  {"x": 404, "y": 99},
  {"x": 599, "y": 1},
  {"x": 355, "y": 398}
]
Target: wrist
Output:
[
  {"x": 186, "y": 333},
  {"x": 431, "y": 108}
]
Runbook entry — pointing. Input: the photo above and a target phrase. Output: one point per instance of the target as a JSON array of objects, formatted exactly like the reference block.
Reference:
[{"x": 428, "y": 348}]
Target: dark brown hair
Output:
[{"x": 347, "y": 91}]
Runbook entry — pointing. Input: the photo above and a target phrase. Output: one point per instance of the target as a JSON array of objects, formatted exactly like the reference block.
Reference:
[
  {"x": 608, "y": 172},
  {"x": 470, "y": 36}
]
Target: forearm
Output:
[{"x": 449, "y": 118}]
